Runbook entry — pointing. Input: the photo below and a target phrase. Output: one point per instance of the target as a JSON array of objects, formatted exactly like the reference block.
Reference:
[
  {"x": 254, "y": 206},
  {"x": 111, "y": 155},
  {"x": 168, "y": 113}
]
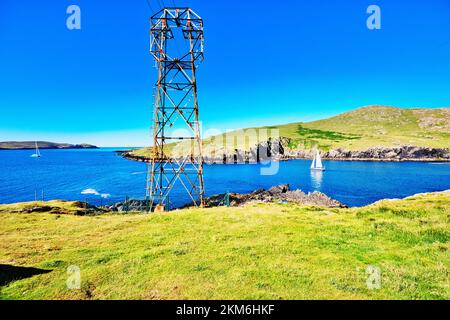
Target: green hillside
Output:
[
  {"x": 374, "y": 126},
  {"x": 260, "y": 251},
  {"x": 381, "y": 126}
]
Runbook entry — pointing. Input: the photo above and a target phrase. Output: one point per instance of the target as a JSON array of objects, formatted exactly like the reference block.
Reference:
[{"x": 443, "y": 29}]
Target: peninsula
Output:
[
  {"x": 29, "y": 145},
  {"x": 376, "y": 133}
]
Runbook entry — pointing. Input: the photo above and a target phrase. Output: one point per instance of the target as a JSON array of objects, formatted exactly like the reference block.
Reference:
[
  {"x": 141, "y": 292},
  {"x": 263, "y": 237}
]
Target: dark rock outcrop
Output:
[
  {"x": 277, "y": 193},
  {"x": 40, "y": 209},
  {"x": 131, "y": 205},
  {"x": 128, "y": 154}
]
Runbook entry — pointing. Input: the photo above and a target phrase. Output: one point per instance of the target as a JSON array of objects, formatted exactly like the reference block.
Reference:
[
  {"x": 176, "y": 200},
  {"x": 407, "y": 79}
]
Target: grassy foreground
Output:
[{"x": 274, "y": 251}]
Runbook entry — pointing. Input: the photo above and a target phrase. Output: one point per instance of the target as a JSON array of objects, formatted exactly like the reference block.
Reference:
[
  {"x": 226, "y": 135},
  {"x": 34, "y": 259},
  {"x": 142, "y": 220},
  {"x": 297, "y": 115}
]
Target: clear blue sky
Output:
[{"x": 267, "y": 62}]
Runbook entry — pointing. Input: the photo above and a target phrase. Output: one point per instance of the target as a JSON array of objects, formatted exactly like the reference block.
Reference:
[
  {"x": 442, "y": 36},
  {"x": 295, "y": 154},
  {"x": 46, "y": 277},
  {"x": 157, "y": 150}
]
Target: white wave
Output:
[
  {"x": 90, "y": 191},
  {"x": 95, "y": 193},
  {"x": 134, "y": 173}
]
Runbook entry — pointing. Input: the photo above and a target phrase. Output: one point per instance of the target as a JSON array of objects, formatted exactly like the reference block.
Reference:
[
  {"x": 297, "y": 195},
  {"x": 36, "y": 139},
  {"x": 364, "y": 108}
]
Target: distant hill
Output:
[
  {"x": 360, "y": 129},
  {"x": 25, "y": 145}
]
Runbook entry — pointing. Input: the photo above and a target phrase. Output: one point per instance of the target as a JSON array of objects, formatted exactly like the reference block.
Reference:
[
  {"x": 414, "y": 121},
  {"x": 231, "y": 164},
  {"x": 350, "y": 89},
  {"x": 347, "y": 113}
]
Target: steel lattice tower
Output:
[{"x": 176, "y": 106}]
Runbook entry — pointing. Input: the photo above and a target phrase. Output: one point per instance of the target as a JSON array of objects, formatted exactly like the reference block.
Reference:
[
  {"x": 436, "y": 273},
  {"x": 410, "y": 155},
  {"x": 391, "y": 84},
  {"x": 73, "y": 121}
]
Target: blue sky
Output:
[{"x": 266, "y": 62}]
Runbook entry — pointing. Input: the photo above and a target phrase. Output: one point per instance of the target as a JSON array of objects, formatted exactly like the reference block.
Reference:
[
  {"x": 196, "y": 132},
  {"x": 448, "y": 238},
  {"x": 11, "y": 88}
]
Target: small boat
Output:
[
  {"x": 317, "y": 162},
  {"x": 37, "y": 154}
]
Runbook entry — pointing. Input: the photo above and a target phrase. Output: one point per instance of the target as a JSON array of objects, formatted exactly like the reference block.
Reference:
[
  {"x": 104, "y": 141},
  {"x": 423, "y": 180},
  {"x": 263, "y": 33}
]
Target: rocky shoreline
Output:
[
  {"x": 126, "y": 154},
  {"x": 281, "y": 193},
  {"x": 277, "y": 194},
  {"x": 278, "y": 150},
  {"x": 397, "y": 154}
]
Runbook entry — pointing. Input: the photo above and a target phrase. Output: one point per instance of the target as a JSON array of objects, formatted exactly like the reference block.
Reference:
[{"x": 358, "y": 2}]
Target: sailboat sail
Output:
[
  {"x": 37, "y": 149},
  {"x": 37, "y": 153},
  {"x": 313, "y": 164},
  {"x": 317, "y": 162}
]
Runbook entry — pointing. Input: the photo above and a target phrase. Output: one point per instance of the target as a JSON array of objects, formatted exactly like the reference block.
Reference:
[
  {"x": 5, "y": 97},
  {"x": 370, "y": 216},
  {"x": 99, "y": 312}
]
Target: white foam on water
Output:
[
  {"x": 90, "y": 191},
  {"x": 96, "y": 193}
]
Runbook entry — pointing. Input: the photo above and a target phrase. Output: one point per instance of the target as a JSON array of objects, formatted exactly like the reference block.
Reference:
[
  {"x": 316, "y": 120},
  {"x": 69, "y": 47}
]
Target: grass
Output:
[
  {"x": 388, "y": 127},
  {"x": 261, "y": 251},
  {"x": 359, "y": 129},
  {"x": 54, "y": 207}
]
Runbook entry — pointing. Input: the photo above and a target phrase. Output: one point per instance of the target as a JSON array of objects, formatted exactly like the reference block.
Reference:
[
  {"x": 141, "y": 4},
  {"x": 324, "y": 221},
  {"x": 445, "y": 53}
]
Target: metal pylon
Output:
[{"x": 177, "y": 147}]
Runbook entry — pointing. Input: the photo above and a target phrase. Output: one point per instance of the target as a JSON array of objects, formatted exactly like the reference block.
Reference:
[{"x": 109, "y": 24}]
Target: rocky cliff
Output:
[
  {"x": 278, "y": 149},
  {"x": 401, "y": 153}
]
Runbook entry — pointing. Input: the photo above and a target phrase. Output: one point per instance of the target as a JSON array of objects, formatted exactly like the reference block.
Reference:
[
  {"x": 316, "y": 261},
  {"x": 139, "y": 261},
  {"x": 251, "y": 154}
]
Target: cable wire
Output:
[
  {"x": 150, "y": 6},
  {"x": 161, "y": 3}
]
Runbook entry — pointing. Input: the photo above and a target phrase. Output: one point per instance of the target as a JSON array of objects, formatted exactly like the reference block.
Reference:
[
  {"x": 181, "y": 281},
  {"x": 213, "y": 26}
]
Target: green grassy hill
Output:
[
  {"x": 261, "y": 251},
  {"x": 374, "y": 126},
  {"x": 381, "y": 126}
]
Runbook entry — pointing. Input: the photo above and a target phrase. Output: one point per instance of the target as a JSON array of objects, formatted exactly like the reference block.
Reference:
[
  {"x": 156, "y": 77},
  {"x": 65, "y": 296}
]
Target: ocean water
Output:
[{"x": 99, "y": 176}]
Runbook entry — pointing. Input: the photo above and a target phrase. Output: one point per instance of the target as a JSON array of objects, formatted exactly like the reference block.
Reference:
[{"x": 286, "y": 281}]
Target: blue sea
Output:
[{"x": 99, "y": 176}]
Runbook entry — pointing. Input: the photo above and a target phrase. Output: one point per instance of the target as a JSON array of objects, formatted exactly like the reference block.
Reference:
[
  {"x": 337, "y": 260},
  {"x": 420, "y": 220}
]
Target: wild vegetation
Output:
[
  {"x": 54, "y": 207},
  {"x": 260, "y": 251}
]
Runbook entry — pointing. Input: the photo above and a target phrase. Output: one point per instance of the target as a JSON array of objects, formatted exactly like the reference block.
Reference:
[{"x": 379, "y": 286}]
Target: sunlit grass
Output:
[
  {"x": 261, "y": 251},
  {"x": 56, "y": 207}
]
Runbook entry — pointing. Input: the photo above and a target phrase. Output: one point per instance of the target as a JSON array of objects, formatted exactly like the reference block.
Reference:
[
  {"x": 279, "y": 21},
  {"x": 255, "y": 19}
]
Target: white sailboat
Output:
[
  {"x": 317, "y": 162},
  {"x": 37, "y": 153}
]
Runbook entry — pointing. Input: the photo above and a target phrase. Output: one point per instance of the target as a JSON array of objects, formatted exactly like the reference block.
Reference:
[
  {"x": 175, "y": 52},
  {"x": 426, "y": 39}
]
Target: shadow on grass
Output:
[{"x": 11, "y": 273}]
